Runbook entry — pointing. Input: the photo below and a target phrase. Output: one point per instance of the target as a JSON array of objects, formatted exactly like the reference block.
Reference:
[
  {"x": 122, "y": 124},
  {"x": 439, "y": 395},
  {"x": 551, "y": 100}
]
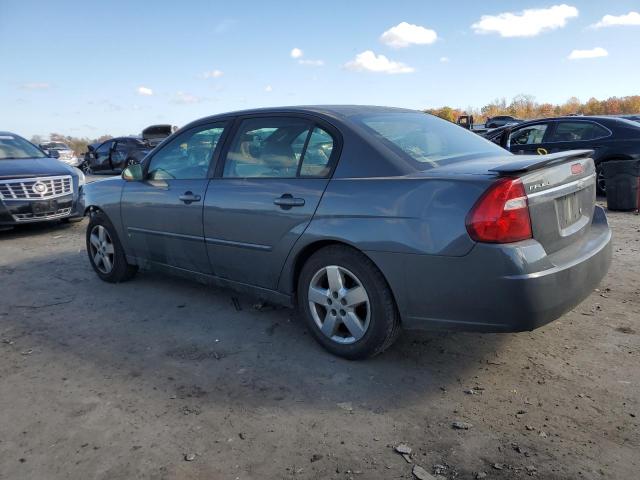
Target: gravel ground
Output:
[{"x": 163, "y": 379}]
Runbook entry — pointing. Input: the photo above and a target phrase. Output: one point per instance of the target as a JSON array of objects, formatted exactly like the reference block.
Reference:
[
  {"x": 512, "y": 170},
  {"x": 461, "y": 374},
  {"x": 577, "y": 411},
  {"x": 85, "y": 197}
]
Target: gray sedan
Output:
[{"x": 368, "y": 219}]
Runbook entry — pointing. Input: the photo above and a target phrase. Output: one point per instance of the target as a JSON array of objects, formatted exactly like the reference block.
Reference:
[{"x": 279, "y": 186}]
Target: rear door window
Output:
[
  {"x": 578, "y": 131},
  {"x": 278, "y": 147}
]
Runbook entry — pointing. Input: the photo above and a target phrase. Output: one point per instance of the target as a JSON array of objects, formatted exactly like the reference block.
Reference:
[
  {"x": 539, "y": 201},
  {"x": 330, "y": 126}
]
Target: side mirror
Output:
[
  {"x": 133, "y": 173},
  {"x": 53, "y": 153}
]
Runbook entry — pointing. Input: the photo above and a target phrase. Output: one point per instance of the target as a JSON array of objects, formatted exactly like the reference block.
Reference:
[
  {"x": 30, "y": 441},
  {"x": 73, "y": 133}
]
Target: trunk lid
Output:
[
  {"x": 561, "y": 197},
  {"x": 560, "y": 189}
]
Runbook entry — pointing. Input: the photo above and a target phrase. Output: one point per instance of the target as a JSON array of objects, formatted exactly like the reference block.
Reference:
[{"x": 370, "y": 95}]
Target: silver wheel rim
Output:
[
  {"x": 339, "y": 304},
  {"x": 87, "y": 169},
  {"x": 602, "y": 184},
  {"x": 101, "y": 249}
]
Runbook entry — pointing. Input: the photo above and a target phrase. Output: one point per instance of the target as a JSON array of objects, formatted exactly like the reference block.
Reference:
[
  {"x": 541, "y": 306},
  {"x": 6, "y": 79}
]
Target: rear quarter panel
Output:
[{"x": 403, "y": 215}]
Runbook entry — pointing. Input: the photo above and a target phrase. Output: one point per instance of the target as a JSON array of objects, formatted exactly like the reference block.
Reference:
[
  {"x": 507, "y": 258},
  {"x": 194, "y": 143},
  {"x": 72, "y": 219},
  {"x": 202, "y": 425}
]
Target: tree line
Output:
[{"x": 525, "y": 107}]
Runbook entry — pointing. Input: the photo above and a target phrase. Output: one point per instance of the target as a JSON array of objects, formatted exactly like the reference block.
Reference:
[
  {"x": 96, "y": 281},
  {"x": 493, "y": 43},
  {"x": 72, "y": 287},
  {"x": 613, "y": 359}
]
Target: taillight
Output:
[{"x": 501, "y": 215}]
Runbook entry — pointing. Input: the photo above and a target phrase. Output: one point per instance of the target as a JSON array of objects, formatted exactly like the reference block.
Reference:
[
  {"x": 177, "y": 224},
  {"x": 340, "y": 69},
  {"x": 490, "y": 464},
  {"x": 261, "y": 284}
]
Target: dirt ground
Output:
[{"x": 159, "y": 378}]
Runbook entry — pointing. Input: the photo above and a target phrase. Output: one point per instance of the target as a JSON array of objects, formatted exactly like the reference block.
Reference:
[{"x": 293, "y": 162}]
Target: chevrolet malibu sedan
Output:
[
  {"x": 35, "y": 187},
  {"x": 369, "y": 219}
]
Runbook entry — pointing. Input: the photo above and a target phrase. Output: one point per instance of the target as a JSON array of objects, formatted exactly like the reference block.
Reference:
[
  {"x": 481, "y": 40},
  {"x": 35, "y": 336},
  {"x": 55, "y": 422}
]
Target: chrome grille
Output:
[
  {"x": 32, "y": 217},
  {"x": 36, "y": 188}
]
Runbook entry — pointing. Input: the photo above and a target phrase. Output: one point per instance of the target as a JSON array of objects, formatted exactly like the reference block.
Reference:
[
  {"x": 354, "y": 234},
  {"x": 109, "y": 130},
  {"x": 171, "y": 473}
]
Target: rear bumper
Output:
[{"x": 512, "y": 287}]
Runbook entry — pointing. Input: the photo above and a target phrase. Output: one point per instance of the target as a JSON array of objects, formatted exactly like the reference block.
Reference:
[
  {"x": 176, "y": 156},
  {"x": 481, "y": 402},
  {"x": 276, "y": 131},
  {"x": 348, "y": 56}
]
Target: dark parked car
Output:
[
  {"x": 368, "y": 218},
  {"x": 114, "y": 155},
  {"x": 155, "y": 134},
  {"x": 610, "y": 138},
  {"x": 33, "y": 186},
  {"x": 501, "y": 121}
]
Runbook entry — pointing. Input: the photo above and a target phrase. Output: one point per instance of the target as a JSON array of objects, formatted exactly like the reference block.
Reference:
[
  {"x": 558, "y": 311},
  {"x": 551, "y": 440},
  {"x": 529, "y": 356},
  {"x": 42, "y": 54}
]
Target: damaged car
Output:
[{"x": 368, "y": 219}]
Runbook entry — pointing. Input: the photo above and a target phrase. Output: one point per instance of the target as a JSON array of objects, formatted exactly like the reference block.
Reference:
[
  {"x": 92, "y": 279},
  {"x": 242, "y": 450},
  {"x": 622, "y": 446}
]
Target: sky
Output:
[{"x": 87, "y": 68}]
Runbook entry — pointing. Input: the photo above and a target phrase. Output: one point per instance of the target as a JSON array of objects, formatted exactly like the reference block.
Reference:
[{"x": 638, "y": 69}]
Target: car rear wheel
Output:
[
  {"x": 86, "y": 168},
  {"x": 347, "y": 303},
  {"x": 105, "y": 251}
]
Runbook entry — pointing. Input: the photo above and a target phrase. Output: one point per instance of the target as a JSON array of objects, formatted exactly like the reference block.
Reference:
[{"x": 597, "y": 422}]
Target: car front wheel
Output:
[
  {"x": 347, "y": 303},
  {"x": 105, "y": 251}
]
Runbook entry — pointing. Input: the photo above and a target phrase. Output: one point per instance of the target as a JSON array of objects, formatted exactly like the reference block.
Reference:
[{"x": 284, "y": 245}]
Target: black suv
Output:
[{"x": 114, "y": 155}]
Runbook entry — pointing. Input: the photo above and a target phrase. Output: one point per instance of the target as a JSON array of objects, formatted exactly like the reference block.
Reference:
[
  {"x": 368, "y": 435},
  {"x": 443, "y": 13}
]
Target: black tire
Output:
[
  {"x": 384, "y": 319},
  {"x": 600, "y": 180},
  {"x": 121, "y": 271},
  {"x": 86, "y": 168}
]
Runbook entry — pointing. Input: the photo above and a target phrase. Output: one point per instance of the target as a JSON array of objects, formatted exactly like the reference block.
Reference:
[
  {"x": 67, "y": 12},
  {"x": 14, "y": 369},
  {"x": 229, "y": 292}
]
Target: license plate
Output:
[
  {"x": 48, "y": 206},
  {"x": 569, "y": 210}
]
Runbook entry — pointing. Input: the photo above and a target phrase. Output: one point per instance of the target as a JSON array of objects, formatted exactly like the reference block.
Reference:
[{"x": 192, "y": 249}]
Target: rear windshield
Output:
[
  {"x": 426, "y": 139},
  {"x": 13, "y": 147}
]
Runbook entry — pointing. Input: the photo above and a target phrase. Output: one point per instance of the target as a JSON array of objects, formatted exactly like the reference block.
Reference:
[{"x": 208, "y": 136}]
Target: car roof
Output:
[{"x": 334, "y": 111}]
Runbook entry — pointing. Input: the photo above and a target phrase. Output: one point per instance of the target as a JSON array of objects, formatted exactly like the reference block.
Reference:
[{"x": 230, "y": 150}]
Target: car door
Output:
[
  {"x": 529, "y": 139},
  {"x": 275, "y": 171},
  {"x": 119, "y": 155},
  {"x": 102, "y": 157},
  {"x": 162, "y": 214}
]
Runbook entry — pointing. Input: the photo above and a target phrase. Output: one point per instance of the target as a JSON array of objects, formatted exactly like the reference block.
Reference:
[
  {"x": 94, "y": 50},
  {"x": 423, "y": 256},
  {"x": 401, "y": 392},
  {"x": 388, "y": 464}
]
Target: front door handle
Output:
[
  {"x": 287, "y": 201},
  {"x": 189, "y": 197}
]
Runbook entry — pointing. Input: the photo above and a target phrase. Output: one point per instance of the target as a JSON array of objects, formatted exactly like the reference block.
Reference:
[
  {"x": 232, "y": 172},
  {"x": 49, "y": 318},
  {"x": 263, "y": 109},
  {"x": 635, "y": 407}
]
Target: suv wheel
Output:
[
  {"x": 105, "y": 251},
  {"x": 347, "y": 303}
]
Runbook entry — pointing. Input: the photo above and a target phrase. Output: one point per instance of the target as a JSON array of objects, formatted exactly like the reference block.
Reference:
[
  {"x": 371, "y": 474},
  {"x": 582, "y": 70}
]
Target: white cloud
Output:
[
  {"x": 144, "y": 91},
  {"x": 593, "y": 53},
  {"x": 268, "y": 88},
  {"x": 213, "y": 74},
  {"x": 311, "y": 63},
  {"x": 183, "y": 98},
  {"x": 405, "y": 34},
  {"x": 444, "y": 59},
  {"x": 296, "y": 53},
  {"x": 35, "y": 86},
  {"x": 527, "y": 23},
  {"x": 370, "y": 62},
  {"x": 631, "y": 18}
]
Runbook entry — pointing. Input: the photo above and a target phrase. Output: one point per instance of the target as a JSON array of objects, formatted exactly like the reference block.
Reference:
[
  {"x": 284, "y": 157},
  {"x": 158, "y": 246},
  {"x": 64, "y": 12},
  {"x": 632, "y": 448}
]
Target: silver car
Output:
[{"x": 368, "y": 219}]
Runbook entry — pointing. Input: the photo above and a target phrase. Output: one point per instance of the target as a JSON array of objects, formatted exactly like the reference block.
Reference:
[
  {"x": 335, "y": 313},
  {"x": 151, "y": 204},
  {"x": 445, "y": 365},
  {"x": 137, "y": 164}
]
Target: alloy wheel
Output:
[
  {"x": 102, "y": 250},
  {"x": 86, "y": 168},
  {"x": 339, "y": 304},
  {"x": 601, "y": 181}
]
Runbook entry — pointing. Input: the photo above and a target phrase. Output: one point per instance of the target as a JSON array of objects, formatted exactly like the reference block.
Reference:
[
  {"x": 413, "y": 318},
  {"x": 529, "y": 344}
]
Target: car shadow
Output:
[
  {"x": 35, "y": 229},
  {"x": 192, "y": 342}
]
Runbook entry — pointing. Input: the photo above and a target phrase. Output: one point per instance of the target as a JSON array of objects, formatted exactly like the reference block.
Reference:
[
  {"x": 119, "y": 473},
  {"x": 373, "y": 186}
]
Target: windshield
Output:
[
  {"x": 13, "y": 147},
  {"x": 427, "y": 139}
]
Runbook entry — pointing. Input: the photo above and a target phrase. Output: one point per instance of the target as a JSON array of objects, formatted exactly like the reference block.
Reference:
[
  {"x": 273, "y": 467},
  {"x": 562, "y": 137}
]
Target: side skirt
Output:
[{"x": 267, "y": 294}]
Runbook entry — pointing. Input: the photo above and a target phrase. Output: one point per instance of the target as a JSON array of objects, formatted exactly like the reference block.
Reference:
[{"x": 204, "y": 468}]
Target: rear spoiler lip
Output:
[{"x": 528, "y": 163}]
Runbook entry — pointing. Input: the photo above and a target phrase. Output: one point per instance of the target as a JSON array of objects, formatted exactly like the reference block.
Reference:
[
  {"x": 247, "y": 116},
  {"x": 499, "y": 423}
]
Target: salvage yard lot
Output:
[{"x": 127, "y": 381}]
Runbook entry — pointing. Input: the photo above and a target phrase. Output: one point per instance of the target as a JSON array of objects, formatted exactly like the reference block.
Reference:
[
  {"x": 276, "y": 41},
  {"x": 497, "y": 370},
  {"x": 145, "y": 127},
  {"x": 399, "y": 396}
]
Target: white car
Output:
[{"x": 62, "y": 152}]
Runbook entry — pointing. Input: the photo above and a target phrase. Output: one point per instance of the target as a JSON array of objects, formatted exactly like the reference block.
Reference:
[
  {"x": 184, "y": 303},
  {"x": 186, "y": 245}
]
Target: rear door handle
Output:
[
  {"x": 287, "y": 201},
  {"x": 189, "y": 197}
]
